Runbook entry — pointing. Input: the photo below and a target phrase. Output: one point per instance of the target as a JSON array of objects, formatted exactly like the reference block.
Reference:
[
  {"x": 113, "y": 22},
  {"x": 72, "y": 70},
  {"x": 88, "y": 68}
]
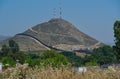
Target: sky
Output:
[{"x": 93, "y": 17}]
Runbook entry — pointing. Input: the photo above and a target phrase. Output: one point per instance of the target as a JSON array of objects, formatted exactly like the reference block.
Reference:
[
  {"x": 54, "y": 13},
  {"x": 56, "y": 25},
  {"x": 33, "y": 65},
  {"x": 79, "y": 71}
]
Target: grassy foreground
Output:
[{"x": 24, "y": 72}]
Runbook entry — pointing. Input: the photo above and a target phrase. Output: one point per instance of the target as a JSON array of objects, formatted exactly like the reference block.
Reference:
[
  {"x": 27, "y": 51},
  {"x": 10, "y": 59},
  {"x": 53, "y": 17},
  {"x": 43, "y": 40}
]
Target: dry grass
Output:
[{"x": 24, "y": 72}]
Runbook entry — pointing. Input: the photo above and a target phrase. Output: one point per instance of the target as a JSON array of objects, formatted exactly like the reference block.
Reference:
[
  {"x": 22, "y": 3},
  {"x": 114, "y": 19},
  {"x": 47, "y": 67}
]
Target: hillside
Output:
[{"x": 56, "y": 33}]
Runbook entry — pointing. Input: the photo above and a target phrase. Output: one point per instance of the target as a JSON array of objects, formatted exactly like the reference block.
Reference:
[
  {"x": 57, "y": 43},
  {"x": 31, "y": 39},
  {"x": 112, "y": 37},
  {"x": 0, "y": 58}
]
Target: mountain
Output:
[
  {"x": 2, "y": 37},
  {"x": 56, "y": 34}
]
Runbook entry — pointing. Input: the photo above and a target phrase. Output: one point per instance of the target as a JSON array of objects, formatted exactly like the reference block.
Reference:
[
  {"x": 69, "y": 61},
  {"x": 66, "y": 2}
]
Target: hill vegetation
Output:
[{"x": 11, "y": 55}]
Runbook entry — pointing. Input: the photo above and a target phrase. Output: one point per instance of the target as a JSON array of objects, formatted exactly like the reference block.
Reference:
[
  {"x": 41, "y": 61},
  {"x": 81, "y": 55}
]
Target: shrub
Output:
[
  {"x": 92, "y": 63},
  {"x": 73, "y": 58},
  {"x": 8, "y": 62},
  {"x": 53, "y": 59},
  {"x": 32, "y": 62}
]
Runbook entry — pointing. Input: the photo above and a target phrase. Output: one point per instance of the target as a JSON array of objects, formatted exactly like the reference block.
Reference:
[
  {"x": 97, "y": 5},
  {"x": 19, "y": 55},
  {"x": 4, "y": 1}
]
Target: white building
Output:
[
  {"x": 0, "y": 67},
  {"x": 80, "y": 69}
]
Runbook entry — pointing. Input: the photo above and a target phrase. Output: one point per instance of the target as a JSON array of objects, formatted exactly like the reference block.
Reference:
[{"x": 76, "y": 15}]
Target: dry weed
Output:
[{"x": 25, "y": 72}]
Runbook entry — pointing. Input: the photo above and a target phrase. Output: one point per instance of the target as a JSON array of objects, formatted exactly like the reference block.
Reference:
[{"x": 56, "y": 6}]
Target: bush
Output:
[
  {"x": 18, "y": 56},
  {"x": 92, "y": 63},
  {"x": 49, "y": 54},
  {"x": 48, "y": 58},
  {"x": 54, "y": 59},
  {"x": 8, "y": 62},
  {"x": 32, "y": 62},
  {"x": 73, "y": 58}
]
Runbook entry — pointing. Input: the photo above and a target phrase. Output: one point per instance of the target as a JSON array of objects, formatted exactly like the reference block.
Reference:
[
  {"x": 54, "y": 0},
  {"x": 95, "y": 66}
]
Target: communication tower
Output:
[
  {"x": 54, "y": 13},
  {"x": 60, "y": 7}
]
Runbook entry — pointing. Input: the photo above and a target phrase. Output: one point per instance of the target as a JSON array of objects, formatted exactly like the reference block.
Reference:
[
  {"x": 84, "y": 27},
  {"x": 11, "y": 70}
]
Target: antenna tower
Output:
[
  {"x": 60, "y": 6},
  {"x": 54, "y": 13}
]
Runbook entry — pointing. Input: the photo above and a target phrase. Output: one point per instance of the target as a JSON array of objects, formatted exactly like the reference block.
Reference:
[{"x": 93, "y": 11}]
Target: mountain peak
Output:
[{"x": 56, "y": 20}]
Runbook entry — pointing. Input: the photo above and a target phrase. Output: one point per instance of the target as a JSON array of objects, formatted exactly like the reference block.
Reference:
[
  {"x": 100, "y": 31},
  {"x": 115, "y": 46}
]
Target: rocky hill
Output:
[{"x": 54, "y": 34}]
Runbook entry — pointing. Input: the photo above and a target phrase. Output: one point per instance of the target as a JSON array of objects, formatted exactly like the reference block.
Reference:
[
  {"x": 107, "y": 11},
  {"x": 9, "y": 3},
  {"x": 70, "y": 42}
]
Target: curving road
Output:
[
  {"x": 50, "y": 47},
  {"x": 40, "y": 42}
]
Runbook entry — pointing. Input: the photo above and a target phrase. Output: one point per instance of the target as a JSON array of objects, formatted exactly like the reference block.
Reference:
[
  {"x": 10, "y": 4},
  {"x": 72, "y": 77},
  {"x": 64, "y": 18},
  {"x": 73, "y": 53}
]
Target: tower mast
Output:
[
  {"x": 60, "y": 7},
  {"x": 54, "y": 13}
]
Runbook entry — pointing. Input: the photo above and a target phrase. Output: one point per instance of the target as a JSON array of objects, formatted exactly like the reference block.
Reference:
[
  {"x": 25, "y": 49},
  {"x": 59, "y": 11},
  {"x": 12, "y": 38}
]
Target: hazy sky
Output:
[{"x": 93, "y": 17}]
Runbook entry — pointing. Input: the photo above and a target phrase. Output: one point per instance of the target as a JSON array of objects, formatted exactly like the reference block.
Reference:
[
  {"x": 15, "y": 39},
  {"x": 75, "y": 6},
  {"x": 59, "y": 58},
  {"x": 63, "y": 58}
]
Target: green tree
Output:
[
  {"x": 90, "y": 60},
  {"x": 5, "y": 50},
  {"x": 14, "y": 46},
  {"x": 74, "y": 59},
  {"x": 104, "y": 55},
  {"x": 117, "y": 38},
  {"x": 20, "y": 56}
]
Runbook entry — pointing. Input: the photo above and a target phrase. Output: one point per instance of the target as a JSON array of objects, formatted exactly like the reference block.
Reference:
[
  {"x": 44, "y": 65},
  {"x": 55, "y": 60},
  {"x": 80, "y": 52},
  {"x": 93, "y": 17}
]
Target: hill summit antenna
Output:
[
  {"x": 60, "y": 6},
  {"x": 54, "y": 13}
]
